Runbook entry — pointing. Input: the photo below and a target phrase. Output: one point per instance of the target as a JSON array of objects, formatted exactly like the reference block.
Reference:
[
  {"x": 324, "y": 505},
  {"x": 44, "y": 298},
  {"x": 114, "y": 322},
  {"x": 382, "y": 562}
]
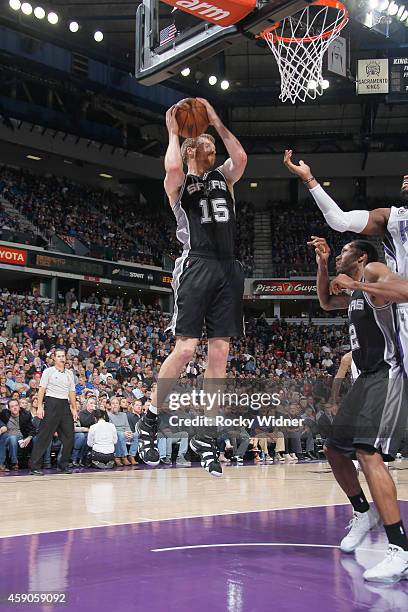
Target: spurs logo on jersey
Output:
[
  {"x": 205, "y": 214},
  {"x": 373, "y": 336}
]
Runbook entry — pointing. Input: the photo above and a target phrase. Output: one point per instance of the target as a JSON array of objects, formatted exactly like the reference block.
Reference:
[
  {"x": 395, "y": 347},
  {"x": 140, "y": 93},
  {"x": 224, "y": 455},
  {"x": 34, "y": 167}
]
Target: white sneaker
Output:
[
  {"x": 359, "y": 526},
  {"x": 393, "y": 568},
  {"x": 294, "y": 457}
]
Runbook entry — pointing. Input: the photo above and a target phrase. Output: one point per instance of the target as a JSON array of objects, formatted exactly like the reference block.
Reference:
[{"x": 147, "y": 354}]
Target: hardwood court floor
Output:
[
  {"x": 173, "y": 540},
  {"x": 90, "y": 499}
]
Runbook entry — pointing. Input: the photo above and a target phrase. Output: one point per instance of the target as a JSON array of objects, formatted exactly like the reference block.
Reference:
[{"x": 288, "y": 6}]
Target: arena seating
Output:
[{"x": 116, "y": 351}]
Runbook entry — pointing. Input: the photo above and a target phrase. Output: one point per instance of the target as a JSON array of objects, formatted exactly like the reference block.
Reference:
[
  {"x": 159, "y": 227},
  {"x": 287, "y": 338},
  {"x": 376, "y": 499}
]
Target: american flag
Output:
[{"x": 167, "y": 34}]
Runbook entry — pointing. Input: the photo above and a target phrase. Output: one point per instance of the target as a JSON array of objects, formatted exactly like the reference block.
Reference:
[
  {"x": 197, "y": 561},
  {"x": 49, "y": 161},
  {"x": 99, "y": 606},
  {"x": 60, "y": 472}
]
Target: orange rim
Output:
[{"x": 336, "y": 4}]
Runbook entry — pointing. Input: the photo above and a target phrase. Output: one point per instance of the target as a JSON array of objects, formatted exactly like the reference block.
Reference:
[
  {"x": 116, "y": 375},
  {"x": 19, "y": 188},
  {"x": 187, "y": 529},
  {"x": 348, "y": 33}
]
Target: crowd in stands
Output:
[
  {"x": 108, "y": 225},
  {"x": 115, "y": 353},
  {"x": 292, "y": 228},
  {"x": 245, "y": 236},
  {"x": 111, "y": 227}
]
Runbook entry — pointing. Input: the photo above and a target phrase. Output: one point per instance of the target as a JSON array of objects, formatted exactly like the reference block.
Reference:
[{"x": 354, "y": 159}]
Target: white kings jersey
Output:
[
  {"x": 395, "y": 245},
  {"x": 395, "y": 241}
]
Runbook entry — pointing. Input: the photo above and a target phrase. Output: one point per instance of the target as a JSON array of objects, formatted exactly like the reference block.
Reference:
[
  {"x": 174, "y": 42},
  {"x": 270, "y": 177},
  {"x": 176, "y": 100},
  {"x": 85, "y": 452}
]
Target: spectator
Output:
[
  {"x": 80, "y": 436},
  {"x": 296, "y": 433},
  {"x": 3, "y": 440},
  {"x": 133, "y": 414},
  {"x": 20, "y": 430},
  {"x": 325, "y": 420},
  {"x": 173, "y": 435},
  {"x": 102, "y": 438},
  {"x": 70, "y": 299},
  {"x": 120, "y": 420}
]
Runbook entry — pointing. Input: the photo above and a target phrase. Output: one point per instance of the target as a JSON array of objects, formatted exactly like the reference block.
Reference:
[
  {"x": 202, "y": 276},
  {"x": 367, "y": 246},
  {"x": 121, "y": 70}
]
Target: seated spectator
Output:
[
  {"x": 133, "y": 414},
  {"x": 87, "y": 415},
  {"x": 120, "y": 420},
  {"x": 20, "y": 430},
  {"x": 102, "y": 437},
  {"x": 263, "y": 436},
  {"x": 3, "y": 439},
  {"x": 295, "y": 434},
  {"x": 80, "y": 437},
  {"x": 325, "y": 420},
  {"x": 173, "y": 435},
  {"x": 87, "y": 418}
]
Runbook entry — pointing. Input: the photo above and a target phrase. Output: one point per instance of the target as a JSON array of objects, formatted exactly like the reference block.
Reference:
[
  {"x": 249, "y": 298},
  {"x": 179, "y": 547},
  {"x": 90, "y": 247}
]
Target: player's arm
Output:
[
  {"x": 327, "y": 300},
  {"x": 173, "y": 162},
  {"x": 233, "y": 168},
  {"x": 345, "y": 365},
  {"x": 381, "y": 284},
  {"x": 370, "y": 223}
]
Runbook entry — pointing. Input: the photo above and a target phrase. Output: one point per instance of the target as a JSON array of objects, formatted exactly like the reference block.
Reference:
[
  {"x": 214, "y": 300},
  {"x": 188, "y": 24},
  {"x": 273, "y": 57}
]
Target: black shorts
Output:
[
  {"x": 372, "y": 416},
  {"x": 207, "y": 291}
]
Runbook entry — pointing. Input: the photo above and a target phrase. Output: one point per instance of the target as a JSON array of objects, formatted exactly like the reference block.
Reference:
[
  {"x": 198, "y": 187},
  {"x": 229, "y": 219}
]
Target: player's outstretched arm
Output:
[
  {"x": 328, "y": 301},
  {"x": 371, "y": 223},
  {"x": 381, "y": 284},
  {"x": 173, "y": 162},
  {"x": 233, "y": 168}
]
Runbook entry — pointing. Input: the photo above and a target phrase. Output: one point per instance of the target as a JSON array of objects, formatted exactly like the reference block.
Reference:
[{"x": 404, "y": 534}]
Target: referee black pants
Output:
[{"x": 57, "y": 418}]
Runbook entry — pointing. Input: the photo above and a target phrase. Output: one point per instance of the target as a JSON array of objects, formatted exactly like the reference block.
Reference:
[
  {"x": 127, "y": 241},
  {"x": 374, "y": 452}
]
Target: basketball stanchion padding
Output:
[
  {"x": 220, "y": 12},
  {"x": 299, "y": 43}
]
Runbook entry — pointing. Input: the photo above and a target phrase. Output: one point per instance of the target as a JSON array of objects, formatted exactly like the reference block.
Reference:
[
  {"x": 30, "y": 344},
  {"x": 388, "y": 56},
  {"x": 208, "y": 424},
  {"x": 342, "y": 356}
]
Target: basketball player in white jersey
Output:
[{"x": 390, "y": 224}]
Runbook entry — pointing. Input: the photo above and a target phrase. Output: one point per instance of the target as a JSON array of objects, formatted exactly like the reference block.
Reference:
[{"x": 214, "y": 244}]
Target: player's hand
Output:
[
  {"x": 321, "y": 248},
  {"x": 171, "y": 121},
  {"x": 212, "y": 115},
  {"x": 40, "y": 412},
  {"x": 342, "y": 281},
  {"x": 301, "y": 170}
]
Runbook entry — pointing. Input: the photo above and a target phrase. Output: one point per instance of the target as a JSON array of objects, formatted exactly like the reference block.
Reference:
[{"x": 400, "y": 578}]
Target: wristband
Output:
[{"x": 312, "y": 178}]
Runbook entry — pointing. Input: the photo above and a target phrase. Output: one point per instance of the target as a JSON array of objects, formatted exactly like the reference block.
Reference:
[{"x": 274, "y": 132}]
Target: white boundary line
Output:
[
  {"x": 174, "y": 518},
  {"x": 233, "y": 545}
]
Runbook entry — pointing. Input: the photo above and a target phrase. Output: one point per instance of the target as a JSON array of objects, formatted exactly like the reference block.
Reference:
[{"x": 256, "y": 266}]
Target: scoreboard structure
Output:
[{"x": 398, "y": 80}]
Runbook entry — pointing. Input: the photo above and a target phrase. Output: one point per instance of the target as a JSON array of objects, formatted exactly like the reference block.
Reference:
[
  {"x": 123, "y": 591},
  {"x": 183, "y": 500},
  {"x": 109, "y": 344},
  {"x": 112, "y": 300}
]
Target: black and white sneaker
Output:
[
  {"x": 146, "y": 430},
  {"x": 206, "y": 449}
]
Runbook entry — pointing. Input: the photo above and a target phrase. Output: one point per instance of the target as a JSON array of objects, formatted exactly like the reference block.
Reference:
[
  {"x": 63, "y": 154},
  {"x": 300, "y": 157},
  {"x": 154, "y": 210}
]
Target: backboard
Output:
[{"x": 169, "y": 39}]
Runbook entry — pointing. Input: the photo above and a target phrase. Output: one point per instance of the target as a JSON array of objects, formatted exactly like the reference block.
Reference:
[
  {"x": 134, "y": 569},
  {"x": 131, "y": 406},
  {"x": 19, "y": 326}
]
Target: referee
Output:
[{"x": 58, "y": 386}]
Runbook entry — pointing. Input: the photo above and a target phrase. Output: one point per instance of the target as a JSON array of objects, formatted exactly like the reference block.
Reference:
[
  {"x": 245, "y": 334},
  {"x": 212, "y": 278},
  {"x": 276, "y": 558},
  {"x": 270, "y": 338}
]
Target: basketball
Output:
[{"x": 191, "y": 117}]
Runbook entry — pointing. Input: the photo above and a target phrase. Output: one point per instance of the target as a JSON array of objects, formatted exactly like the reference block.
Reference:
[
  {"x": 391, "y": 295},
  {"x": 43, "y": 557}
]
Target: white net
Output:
[{"x": 299, "y": 44}]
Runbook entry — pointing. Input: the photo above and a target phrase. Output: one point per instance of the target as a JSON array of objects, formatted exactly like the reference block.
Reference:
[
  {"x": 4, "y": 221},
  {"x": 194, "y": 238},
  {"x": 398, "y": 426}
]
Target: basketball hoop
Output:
[{"x": 299, "y": 43}]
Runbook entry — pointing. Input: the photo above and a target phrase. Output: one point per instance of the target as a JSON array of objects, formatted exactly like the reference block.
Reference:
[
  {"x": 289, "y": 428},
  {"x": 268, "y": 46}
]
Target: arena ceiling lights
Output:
[
  {"x": 52, "y": 17},
  {"x": 395, "y": 10},
  {"x": 212, "y": 80}
]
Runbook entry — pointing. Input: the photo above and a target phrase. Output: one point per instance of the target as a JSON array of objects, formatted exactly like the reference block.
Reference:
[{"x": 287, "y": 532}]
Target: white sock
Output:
[{"x": 152, "y": 409}]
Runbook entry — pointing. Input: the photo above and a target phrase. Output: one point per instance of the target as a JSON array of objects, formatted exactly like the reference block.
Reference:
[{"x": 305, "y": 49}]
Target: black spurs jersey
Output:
[
  {"x": 373, "y": 335},
  {"x": 205, "y": 214}
]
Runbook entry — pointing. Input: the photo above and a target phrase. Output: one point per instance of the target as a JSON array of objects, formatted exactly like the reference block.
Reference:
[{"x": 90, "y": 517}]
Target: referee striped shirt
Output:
[{"x": 57, "y": 383}]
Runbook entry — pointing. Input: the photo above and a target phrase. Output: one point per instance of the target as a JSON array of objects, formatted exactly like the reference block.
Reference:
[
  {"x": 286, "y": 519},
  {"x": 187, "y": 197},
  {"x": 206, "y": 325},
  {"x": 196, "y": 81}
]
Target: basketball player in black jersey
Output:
[
  {"x": 208, "y": 282},
  {"x": 372, "y": 417}
]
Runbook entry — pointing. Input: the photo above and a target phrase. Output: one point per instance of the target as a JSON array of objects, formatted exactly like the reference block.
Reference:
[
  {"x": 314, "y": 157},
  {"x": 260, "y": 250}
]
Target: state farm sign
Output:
[
  {"x": 16, "y": 257},
  {"x": 278, "y": 287}
]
